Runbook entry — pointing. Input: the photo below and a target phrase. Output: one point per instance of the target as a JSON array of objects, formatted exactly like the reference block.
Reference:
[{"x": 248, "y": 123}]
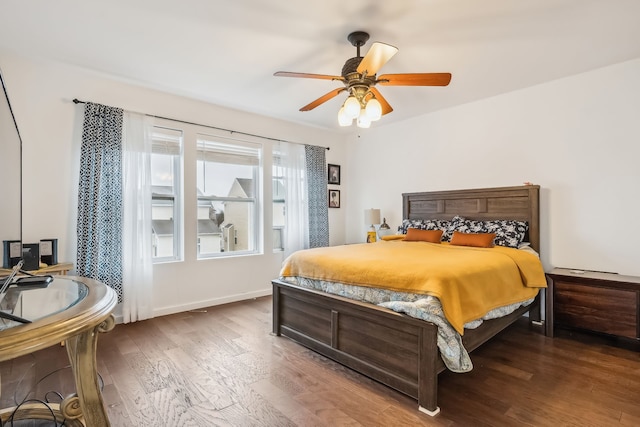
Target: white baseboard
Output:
[{"x": 200, "y": 304}]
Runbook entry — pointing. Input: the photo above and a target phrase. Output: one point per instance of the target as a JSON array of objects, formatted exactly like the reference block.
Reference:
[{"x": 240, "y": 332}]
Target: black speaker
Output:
[
  {"x": 31, "y": 256},
  {"x": 12, "y": 253},
  {"x": 49, "y": 251}
]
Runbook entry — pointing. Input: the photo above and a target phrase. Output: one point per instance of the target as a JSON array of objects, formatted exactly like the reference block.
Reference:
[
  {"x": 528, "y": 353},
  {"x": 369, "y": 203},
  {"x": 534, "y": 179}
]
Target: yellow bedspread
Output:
[{"x": 469, "y": 282}]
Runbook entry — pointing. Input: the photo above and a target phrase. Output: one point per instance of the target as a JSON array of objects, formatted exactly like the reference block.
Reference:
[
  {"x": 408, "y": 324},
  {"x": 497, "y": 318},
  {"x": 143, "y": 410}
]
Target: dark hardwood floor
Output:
[{"x": 222, "y": 367}]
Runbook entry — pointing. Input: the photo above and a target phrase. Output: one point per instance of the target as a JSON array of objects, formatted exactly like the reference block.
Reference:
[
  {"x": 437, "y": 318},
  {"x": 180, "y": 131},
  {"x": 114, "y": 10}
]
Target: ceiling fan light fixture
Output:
[
  {"x": 359, "y": 76},
  {"x": 343, "y": 119},
  {"x": 352, "y": 107},
  {"x": 363, "y": 120},
  {"x": 373, "y": 109}
]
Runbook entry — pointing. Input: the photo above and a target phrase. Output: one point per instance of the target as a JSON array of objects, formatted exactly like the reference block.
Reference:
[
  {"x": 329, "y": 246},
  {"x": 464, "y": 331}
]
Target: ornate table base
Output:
[{"x": 78, "y": 326}]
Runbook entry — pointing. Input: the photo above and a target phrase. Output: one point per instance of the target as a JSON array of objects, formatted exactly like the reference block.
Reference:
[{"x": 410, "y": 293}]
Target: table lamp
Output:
[{"x": 371, "y": 217}]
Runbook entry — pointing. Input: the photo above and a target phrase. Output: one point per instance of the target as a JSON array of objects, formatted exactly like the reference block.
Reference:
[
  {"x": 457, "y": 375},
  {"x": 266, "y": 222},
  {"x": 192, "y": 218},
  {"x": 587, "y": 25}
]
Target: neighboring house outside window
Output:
[{"x": 209, "y": 231}]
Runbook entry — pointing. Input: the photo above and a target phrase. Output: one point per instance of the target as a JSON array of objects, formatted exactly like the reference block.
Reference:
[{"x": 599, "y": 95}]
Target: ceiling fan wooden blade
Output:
[
  {"x": 324, "y": 98},
  {"x": 386, "y": 107},
  {"x": 377, "y": 56},
  {"x": 308, "y": 76},
  {"x": 415, "y": 79}
]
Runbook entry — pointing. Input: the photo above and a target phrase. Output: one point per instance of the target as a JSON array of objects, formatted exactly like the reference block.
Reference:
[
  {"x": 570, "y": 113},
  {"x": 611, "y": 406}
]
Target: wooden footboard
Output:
[{"x": 394, "y": 349}]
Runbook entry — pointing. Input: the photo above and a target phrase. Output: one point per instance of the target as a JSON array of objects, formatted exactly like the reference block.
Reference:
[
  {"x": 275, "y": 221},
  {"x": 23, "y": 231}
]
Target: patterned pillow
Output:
[
  {"x": 423, "y": 224},
  {"x": 509, "y": 233},
  {"x": 456, "y": 222},
  {"x": 464, "y": 225}
]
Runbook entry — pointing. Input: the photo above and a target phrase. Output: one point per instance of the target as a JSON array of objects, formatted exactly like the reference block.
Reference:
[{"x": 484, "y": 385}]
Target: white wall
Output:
[
  {"x": 578, "y": 138},
  {"x": 50, "y": 124}
]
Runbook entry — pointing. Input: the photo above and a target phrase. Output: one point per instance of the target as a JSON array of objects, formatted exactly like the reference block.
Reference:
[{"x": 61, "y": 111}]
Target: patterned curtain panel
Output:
[
  {"x": 317, "y": 188},
  {"x": 99, "y": 225}
]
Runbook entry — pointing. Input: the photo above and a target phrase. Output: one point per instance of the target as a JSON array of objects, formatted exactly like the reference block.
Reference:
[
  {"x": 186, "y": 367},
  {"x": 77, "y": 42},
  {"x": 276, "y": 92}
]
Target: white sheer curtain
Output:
[
  {"x": 137, "y": 248},
  {"x": 296, "y": 230}
]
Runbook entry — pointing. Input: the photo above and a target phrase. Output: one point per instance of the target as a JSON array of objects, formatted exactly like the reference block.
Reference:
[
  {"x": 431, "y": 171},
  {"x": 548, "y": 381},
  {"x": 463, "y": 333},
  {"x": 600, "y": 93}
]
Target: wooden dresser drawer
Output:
[{"x": 611, "y": 311}]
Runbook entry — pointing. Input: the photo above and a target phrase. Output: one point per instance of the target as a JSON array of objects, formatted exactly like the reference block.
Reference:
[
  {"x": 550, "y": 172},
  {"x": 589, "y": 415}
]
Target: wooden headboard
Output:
[{"x": 520, "y": 203}]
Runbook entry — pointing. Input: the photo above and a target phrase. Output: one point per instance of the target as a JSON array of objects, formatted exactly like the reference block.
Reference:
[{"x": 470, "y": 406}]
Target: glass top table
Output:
[
  {"x": 34, "y": 303},
  {"x": 73, "y": 310}
]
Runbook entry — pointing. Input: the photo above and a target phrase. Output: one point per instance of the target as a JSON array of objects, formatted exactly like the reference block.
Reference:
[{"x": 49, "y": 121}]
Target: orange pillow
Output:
[
  {"x": 478, "y": 240},
  {"x": 417, "y": 235}
]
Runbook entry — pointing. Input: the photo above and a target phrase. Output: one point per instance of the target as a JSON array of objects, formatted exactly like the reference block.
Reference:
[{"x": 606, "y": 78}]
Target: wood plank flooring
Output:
[{"x": 222, "y": 367}]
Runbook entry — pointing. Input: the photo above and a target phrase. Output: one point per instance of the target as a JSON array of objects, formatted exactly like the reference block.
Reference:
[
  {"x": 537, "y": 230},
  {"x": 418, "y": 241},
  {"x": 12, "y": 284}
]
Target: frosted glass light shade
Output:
[
  {"x": 363, "y": 120},
  {"x": 352, "y": 107},
  {"x": 371, "y": 216},
  {"x": 343, "y": 119},
  {"x": 374, "y": 109}
]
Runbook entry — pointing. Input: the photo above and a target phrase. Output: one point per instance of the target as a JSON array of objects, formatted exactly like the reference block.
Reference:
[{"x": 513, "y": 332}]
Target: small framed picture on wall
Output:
[
  {"x": 334, "y": 174},
  {"x": 334, "y": 198}
]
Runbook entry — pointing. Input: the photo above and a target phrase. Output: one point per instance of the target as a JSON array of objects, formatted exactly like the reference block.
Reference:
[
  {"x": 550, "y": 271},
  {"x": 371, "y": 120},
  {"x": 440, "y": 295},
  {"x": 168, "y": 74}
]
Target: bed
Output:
[{"x": 395, "y": 349}]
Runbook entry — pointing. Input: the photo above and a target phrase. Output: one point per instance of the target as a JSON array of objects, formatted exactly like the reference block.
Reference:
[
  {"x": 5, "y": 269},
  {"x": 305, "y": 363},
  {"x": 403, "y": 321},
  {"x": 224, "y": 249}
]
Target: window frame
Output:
[
  {"x": 256, "y": 227},
  {"x": 177, "y": 164},
  {"x": 277, "y": 177}
]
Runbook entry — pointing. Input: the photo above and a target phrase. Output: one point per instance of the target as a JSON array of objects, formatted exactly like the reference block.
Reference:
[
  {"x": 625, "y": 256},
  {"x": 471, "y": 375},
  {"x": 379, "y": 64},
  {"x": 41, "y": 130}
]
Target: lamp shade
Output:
[
  {"x": 352, "y": 107},
  {"x": 374, "y": 109},
  {"x": 363, "y": 121},
  {"x": 343, "y": 119},
  {"x": 371, "y": 216}
]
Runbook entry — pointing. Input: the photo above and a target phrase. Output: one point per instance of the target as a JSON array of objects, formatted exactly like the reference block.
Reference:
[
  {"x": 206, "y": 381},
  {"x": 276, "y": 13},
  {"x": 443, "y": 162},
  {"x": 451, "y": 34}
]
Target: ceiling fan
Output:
[{"x": 365, "y": 103}]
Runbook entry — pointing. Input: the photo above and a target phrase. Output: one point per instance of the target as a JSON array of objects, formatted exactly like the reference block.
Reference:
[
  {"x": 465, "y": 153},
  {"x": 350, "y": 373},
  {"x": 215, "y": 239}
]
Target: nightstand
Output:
[{"x": 605, "y": 303}]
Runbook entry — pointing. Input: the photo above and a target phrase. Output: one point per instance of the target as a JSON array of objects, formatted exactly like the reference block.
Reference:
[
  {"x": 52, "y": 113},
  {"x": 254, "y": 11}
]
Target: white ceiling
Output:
[{"x": 225, "y": 52}]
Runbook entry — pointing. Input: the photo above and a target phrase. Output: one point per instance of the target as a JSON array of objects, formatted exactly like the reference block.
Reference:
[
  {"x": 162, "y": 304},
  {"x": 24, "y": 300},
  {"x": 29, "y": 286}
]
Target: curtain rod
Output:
[{"x": 77, "y": 101}]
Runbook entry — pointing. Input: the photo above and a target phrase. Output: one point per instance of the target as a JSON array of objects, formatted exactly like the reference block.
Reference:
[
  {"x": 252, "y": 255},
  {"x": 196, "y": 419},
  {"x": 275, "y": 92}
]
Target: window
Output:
[
  {"x": 166, "y": 194},
  {"x": 279, "y": 196},
  {"x": 227, "y": 196}
]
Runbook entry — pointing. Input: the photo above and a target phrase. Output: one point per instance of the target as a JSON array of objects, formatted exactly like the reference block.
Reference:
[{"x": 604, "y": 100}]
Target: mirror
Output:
[{"x": 10, "y": 182}]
